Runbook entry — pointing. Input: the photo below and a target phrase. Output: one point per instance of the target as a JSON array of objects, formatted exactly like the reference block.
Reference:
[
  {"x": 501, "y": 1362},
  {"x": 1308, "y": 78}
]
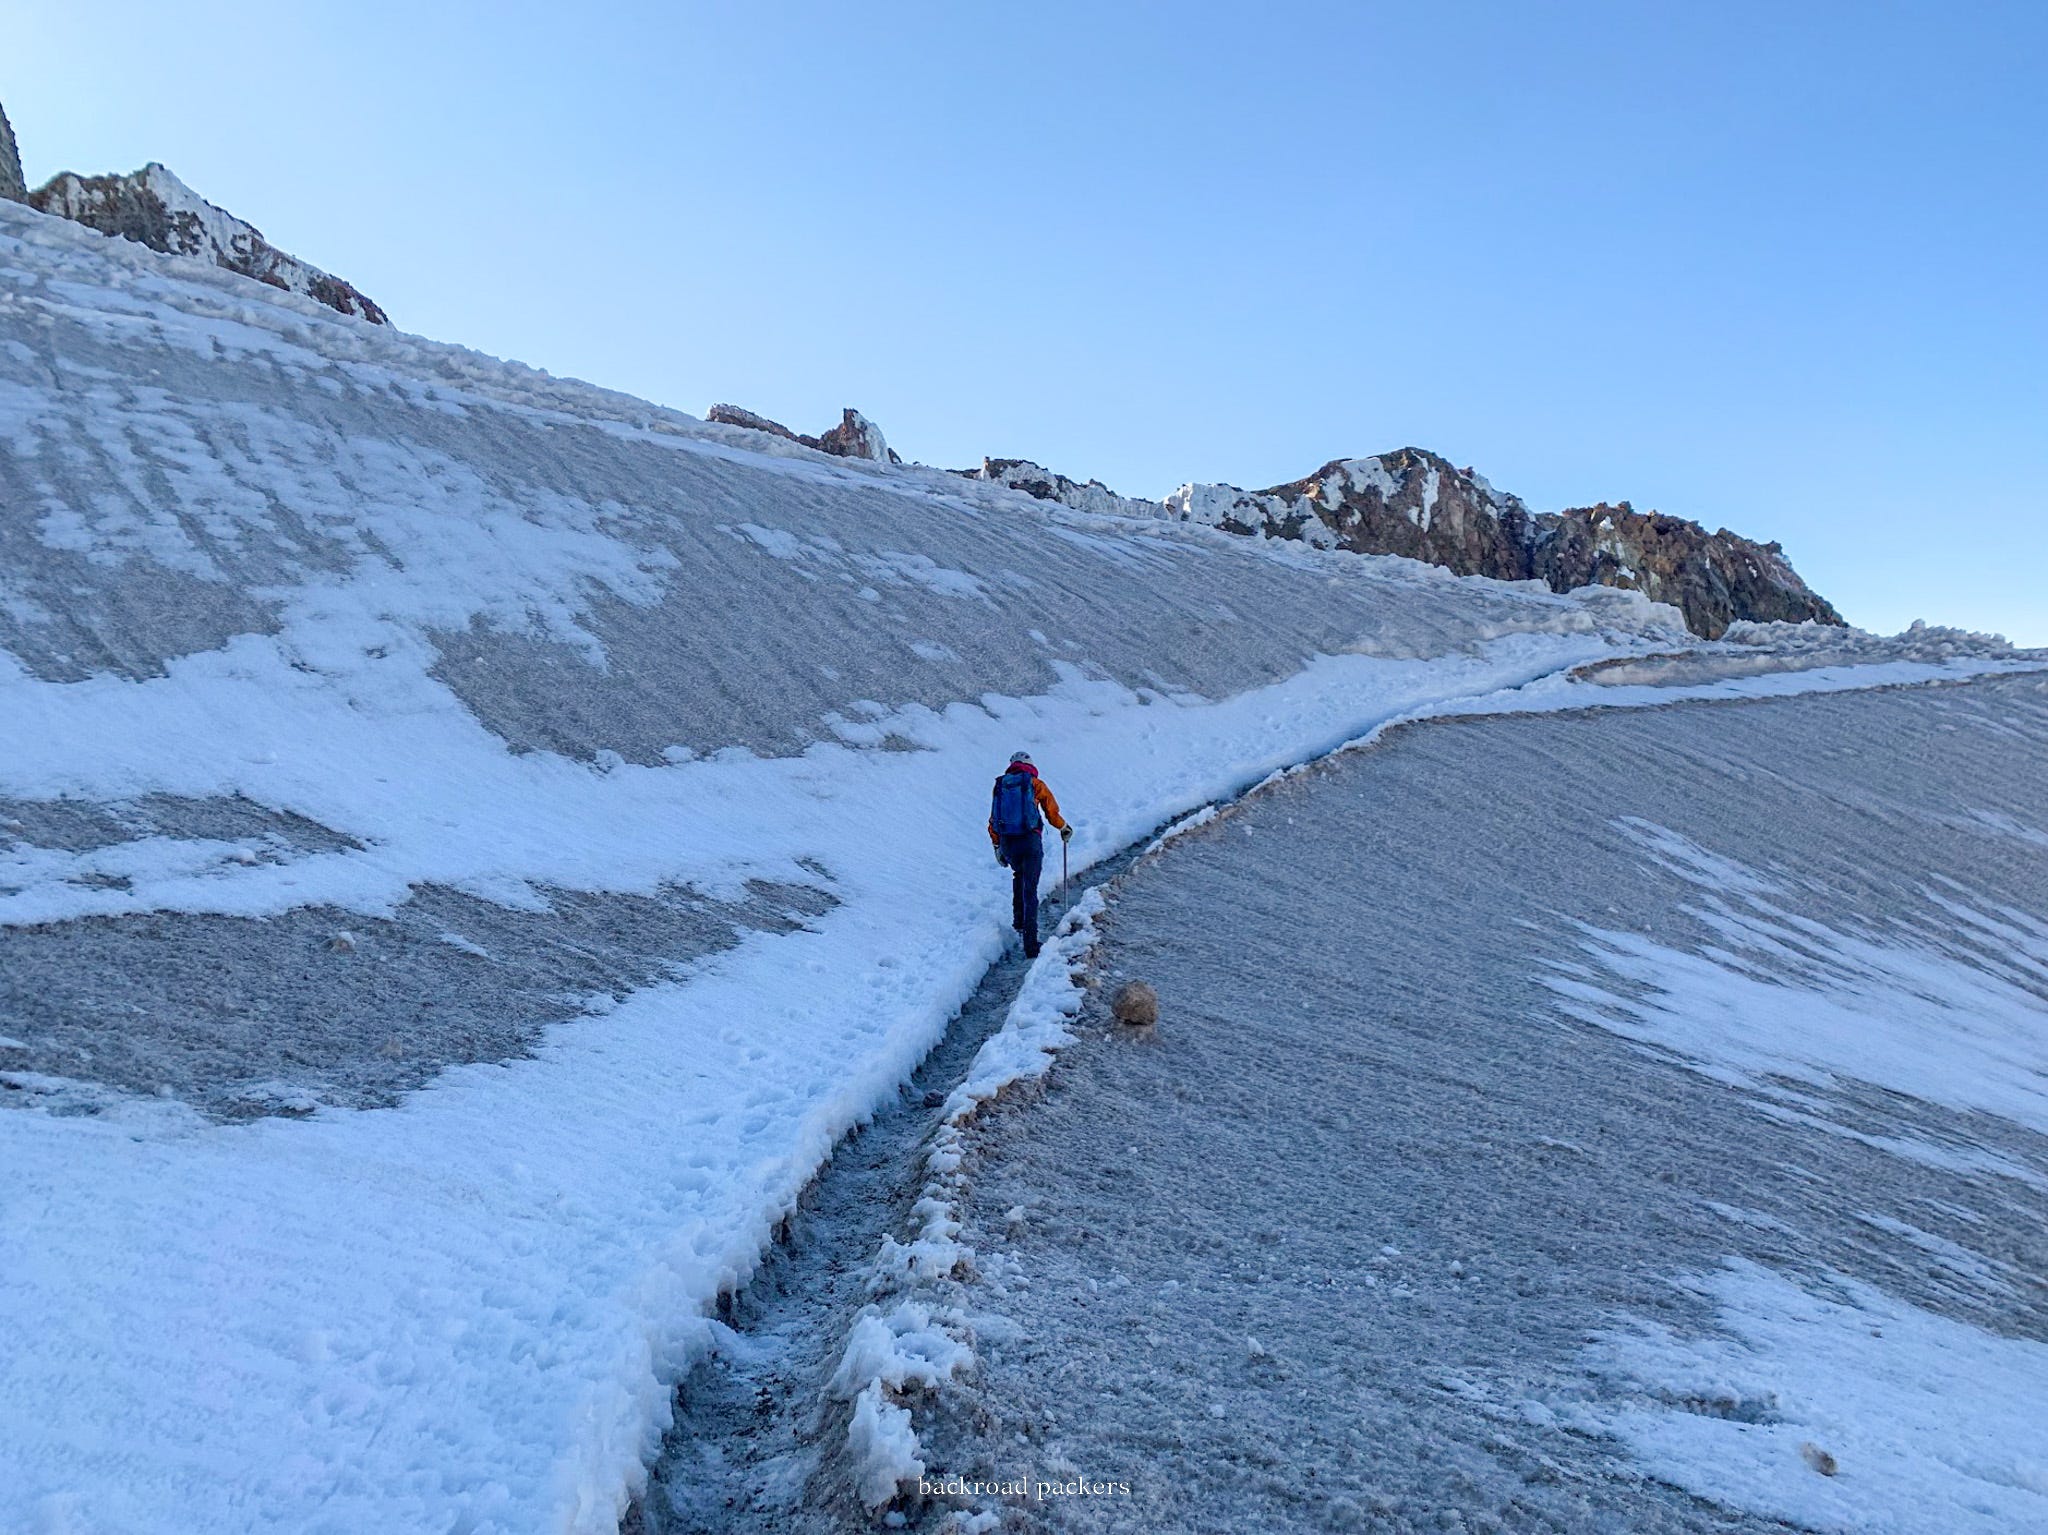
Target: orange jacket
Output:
[{"x": 1047, "y": 807}]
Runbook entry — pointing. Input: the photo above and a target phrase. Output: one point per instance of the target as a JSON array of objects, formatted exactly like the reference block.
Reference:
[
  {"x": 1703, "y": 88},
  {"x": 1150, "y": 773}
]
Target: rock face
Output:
[
  {"x": 12, "y": 187},
  {"x": 1418, "y": 504},
  {"x": 156, "y": 209},
  {"x": 854, "y": 437},
  {"x": 1415, "y": 503},
  {"x": 858, "y": 437},
  {"x": 1715, "y": 579}
]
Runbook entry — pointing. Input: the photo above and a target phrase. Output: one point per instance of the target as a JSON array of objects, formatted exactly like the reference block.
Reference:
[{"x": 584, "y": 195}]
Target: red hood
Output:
[{"x": 1021, "y": 767}]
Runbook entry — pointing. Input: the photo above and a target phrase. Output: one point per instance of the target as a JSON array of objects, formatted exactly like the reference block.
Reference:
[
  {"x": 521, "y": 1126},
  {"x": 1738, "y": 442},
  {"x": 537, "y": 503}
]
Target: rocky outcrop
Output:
[
  {"x": 734, "y": 415},
  {"x": 154, "y": 208},
  {"x": 854, "y": 437},
  {"x": 1715, "y": 579},
  {"x": 12, "y": 186},
  {"x": 1418, "y": 504},
  {"x": 858, "y": 437},
  {"x": 1035, "y": 480},
  {"x": 1413, "y": 503}
]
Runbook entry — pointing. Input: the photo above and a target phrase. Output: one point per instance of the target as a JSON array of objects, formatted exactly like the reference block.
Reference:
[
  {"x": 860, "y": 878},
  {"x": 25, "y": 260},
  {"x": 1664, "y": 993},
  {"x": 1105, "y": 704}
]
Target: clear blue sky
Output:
[{"x": 1778, "y": 267}]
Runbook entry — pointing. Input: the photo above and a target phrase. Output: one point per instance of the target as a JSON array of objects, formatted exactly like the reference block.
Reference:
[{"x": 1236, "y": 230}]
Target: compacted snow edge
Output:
[{"x": 911, "y": 1339}]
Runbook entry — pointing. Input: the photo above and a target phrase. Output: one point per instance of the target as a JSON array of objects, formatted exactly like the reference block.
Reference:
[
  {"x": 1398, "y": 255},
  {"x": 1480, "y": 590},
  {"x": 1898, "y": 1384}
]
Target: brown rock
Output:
[
  {"x": 1818, "y": 1458},
  {"x": 1415, "y": 503},
  {"x": 857, "y": 437},
  {"x": 1714, "y": 579},
  {"x": 734, "y": 415},
  {"x": 1135, "y": 1004},
  {"x": 854, "y": 437}
]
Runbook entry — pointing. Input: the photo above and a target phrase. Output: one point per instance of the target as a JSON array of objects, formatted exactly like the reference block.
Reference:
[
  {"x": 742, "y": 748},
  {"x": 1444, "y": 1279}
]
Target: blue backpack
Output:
[{"x": 1015, "y": 811}]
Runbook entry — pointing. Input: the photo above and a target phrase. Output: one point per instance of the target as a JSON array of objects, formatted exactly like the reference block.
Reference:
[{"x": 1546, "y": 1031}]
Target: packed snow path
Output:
[
  {"x": 1501, "y": 1161},
  {"x": 759, "y": 1442}
]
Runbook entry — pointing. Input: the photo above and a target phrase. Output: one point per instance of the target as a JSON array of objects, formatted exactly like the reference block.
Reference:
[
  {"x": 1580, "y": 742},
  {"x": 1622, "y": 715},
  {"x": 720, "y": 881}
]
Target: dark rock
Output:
[
  {"x": 1714, "y": 579},
  {"x": 1414, "y": 503},
  {"x": 12, "y": 187}
]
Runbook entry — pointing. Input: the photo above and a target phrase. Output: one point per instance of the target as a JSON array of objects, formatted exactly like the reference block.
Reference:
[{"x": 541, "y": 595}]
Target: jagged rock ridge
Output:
[
  {"x": 1034, "y": 480},
  {"x": 156, "y": 209},
  {"x": 12, "y": 186},
  {"x": 1415, "y": 503},
  {"x": 854, "y": 437}
]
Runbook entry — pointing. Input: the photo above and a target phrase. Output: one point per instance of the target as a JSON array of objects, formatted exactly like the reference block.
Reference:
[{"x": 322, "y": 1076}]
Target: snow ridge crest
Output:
[{"x": 154, "y": 208}]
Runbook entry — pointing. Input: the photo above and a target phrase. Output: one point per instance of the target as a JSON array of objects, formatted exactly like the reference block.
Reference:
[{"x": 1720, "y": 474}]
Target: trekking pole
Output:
[{"x": 1063, "y": 860}]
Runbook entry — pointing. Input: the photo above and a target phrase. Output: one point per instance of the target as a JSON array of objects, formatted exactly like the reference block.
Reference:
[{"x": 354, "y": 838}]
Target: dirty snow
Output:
[{"x": 1326, "y": 1250}]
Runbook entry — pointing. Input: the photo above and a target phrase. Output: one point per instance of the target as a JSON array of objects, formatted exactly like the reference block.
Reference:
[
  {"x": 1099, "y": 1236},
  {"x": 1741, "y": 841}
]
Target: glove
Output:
[
  {"x": 1066, "y": 834},
  {"x": 1005, "y": 862}
]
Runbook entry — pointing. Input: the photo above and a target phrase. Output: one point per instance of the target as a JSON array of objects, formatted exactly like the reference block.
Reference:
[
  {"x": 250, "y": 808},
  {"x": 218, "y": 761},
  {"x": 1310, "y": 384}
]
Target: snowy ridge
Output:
[
  {"x": 154, "y": 207},
  {"x": 1259, "y": 514},
  {"x": 1043, "y": 484}
]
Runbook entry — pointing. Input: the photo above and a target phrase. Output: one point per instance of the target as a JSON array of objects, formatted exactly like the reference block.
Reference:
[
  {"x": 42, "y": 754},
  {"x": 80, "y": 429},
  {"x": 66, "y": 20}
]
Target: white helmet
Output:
[{"x": 1024, "y": 757}]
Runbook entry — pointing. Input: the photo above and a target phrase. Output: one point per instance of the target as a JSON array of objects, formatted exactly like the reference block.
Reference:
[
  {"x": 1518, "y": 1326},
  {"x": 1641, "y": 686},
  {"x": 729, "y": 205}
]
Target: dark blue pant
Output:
[{"x": 1026, "y": 854}]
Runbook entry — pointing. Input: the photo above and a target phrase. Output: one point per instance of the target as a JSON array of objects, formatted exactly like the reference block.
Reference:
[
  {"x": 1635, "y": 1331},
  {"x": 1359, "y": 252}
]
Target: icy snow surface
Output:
[
  {"x": 1386, "y": 1228},
  {"x": 379, "y": 715},
  {"x": 1931, "y": 1425}
]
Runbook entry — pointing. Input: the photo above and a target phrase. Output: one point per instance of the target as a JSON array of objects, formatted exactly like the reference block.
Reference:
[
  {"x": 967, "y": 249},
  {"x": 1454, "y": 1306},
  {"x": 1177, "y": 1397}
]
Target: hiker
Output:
[{"x": 1021, "y": 806}]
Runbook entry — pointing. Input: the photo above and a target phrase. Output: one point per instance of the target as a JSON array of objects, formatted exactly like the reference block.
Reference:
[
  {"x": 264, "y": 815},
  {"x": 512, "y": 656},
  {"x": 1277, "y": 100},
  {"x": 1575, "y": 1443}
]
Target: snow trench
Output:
[{"x": 913, "y": 1337}]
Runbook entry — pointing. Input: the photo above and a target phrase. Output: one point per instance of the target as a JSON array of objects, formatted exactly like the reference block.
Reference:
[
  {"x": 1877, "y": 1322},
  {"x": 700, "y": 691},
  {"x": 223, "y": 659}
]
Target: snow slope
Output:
[
  {"x": 380, "y": 717},
  {"x": 1618, "y": 1119},
  {"x": 316, "y": 627}
]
